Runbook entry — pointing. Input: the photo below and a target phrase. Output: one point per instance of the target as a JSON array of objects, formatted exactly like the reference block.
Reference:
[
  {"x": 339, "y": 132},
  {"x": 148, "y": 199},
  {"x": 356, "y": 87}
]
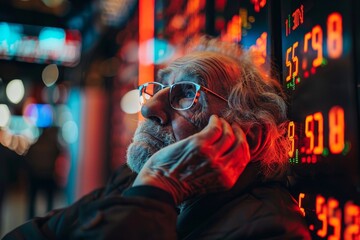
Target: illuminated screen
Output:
[
  {"x": 39, "y": 44},
  {"x": 318, "y": 74},
  {"x": 247, "y": 23}
]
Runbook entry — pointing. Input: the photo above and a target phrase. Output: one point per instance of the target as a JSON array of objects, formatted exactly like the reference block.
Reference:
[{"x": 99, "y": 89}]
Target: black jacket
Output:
[{"x": 251, "y": 210}]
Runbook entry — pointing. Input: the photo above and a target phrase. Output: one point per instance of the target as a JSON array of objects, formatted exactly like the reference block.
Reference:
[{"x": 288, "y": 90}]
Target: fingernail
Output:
[{"x": 213, "y": 116}]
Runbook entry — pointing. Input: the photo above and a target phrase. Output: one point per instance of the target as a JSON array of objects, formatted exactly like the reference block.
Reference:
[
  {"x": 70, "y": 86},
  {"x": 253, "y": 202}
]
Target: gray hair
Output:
[{"x": 255, "y": 98}]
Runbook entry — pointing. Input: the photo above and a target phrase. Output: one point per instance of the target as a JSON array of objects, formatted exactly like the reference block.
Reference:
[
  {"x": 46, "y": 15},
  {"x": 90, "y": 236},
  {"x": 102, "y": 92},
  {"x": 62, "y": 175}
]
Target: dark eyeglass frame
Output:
[{"x": 198, "y": 87}]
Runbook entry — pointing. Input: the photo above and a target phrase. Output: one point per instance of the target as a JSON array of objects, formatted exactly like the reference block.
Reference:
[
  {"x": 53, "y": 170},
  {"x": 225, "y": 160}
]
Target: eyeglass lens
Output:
[{"x": 182, "y": 95}]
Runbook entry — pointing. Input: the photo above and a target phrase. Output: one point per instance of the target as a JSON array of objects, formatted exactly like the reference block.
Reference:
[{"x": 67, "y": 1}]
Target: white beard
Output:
[{"x": 149, "y": 138}]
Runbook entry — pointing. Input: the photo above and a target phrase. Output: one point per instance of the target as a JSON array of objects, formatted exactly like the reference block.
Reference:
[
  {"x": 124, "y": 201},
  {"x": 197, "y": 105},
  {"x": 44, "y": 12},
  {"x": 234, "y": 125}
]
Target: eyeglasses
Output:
[{"x": 182, "y": 95}]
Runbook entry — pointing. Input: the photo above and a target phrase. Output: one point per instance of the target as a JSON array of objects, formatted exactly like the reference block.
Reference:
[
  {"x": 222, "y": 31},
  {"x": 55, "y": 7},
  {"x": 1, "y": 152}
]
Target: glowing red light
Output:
[
  {"x": 258, "y": 4},
  {"x": 313, "y": 70},
  {"x": 306, "y": 74},
  {"x": 313, "y": 159}
]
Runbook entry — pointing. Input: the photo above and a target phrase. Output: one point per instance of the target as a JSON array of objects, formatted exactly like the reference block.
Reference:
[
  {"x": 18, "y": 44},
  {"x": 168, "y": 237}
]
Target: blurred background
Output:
[{"x": 68, "y": 108}]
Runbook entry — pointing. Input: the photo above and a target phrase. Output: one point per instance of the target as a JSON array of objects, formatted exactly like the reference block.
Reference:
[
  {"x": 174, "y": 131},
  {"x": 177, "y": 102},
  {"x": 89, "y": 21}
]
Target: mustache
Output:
[
  {"x": 149, "y": 138},
  {"x": 149, "y": 131}
]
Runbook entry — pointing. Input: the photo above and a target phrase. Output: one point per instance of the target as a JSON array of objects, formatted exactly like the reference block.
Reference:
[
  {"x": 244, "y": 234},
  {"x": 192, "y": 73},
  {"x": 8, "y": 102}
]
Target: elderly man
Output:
[{"x": 208, "y": 162}]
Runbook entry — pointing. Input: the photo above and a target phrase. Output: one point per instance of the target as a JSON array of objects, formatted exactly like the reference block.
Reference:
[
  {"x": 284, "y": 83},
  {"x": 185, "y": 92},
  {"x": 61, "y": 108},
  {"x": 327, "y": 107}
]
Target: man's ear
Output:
[{"x": 254, "y": 137}]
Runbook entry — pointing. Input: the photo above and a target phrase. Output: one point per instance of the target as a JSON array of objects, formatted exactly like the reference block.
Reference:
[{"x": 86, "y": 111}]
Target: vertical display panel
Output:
[{"x": 319, "y": 76}]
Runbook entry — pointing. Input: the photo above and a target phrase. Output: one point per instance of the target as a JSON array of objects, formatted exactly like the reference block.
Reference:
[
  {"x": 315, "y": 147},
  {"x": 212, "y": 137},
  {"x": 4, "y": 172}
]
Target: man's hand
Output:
[{"x": 209, "y": 161}]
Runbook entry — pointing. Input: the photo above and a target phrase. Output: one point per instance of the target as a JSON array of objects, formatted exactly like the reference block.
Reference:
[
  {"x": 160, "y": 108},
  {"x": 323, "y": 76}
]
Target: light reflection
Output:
[
  {"x": 63, "y": 115},
  {"x": 70, "y": 132},
  {"x": 17, "y": 143},
  {"x": 130, "y": 102},
  {"x": 40, "y": 115},
  {"x": 15, "y": 90},
  {"x": 19, "y": 125},
  {"x": 155, "y": 51},
  {"x": 51, "y": 38},
  {"x": 4, "y": 115},
  {"x": 50, "y": 74}
]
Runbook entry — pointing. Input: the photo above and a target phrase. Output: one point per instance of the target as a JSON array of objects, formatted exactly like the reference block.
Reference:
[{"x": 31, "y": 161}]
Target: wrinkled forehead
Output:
[
  {"x": 199, "y": 67},
  {"x": 171, "y": 75}
]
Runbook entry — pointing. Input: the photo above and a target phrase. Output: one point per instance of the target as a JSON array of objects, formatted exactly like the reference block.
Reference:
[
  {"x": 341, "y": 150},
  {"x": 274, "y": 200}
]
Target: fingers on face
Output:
[
  {"x": 240, "y": 147},
  {"x": 220, "y": 147},
  {"x": 218, "y": 136},
  {"x": 198, "y": 146},
  {"x": 232, "y": 143},
  {"x": 234, "y": 154},
  {"x": 238, "y": 156},
  {"x": 212, "y": 132},
  {"x": 227, "y": 139}
]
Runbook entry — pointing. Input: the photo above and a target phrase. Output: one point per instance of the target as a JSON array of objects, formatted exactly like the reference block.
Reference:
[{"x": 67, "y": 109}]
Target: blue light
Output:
[
  {"x": 41, "y": 115},
  {"x": 76, "y": 23},
  {"x": 10, "y": 35},
  {"x": 52, "y": 38},
  {"x": 163, "y": 51},
  {"x": 74, "y": 104},
  {"x": 5, "y": 31}
]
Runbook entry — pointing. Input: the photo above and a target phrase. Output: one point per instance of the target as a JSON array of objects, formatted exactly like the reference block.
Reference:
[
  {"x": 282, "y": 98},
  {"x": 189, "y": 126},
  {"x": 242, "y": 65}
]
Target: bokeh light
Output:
[
  {"x": 130, "y": 102},
  {"x": 40, "y": 115},
  {"x": 156, "y": 51},
  {"x": 15, "y": 90},
  {"x": 50, "y": 74},
  {"x": 52, "y": 38},
  {"x": 4, "y": 115},
  {"x": 70, "y": 132}
]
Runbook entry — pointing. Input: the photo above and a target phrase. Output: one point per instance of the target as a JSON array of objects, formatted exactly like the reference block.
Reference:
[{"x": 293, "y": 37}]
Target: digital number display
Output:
[
  {"x": 314, "y": 45},
  {"x": 312, "y": 49},
  {"x": 332, "y": 218},
  {"x": 318, "y": 73}
]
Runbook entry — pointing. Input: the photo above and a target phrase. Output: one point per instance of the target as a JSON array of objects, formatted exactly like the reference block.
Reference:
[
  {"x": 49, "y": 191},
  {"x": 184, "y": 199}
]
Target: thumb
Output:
[{"x": 212, "y": 132}]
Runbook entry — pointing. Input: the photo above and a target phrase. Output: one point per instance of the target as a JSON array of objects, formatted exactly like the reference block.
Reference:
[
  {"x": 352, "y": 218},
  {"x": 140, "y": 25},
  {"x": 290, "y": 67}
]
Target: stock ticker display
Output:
[
  {"x": 319, "y": 73},
  {"x": 318, "y": 63}
]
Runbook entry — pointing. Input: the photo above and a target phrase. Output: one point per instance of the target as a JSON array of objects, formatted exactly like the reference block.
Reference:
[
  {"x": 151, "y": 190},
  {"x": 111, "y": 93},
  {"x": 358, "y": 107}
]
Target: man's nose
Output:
[{"x": 157, "y": 108}]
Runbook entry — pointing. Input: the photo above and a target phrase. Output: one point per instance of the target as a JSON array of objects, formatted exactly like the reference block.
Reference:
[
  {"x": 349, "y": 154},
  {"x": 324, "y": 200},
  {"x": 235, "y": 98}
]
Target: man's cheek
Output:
[
  {"x": 187, "y": 123},
  {"x": 137, "y": 155}
]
